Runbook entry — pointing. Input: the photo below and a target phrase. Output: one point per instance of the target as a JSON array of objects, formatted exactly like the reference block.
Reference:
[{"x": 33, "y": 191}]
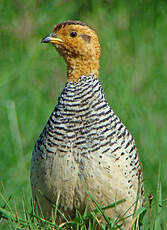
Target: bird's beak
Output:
[{"x": 50, "y": 39}]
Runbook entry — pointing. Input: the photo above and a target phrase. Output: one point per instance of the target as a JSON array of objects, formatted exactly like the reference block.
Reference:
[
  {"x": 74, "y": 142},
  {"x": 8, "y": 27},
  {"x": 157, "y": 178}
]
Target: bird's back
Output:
[{"x": 85, "y": 147}]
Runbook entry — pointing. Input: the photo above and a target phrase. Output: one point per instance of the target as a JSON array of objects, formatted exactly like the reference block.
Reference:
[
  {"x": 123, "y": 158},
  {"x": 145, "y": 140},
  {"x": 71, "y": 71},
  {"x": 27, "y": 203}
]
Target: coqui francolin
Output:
[{"x": 84, "y": 145}]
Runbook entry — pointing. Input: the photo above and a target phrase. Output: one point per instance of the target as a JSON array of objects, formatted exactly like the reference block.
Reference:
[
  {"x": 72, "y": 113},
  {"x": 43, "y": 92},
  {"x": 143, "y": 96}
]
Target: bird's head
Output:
[{"x": 78, "y": 44}]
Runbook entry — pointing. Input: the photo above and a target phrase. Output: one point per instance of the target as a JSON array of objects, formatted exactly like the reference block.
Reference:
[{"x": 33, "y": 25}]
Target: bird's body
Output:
[{"x": 85, "y": 147}]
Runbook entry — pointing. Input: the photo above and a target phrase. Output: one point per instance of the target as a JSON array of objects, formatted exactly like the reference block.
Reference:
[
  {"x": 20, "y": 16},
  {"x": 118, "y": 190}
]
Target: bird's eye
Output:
[{"x": 73, "y": 34}]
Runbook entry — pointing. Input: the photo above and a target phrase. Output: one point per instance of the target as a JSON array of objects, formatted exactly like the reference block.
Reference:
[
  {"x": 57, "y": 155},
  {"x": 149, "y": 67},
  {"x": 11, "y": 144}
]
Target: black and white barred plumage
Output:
[{"x": 82, "y": 146}]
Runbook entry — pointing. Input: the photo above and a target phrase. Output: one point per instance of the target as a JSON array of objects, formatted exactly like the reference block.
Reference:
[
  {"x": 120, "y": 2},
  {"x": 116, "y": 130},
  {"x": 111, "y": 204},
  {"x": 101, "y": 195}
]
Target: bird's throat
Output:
[{"x": 80, "y": 67}]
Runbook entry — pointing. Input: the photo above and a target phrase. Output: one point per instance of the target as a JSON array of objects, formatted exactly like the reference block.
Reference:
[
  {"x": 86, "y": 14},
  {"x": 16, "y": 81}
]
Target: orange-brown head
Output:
[{"x": 78, "y": 44}]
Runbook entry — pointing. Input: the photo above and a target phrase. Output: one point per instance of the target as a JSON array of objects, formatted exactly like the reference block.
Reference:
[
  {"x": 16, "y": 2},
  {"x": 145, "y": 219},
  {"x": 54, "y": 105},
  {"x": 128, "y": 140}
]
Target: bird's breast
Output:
[{"x": 81, "y": 122}]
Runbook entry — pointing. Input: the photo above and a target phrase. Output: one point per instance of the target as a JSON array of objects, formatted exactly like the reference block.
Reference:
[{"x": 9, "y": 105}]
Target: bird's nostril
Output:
[{"x": 53, "y": 35}]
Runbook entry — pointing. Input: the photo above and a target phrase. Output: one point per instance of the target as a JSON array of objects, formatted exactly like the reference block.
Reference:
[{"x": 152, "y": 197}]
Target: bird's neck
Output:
[{"x": 77, "y": 67}]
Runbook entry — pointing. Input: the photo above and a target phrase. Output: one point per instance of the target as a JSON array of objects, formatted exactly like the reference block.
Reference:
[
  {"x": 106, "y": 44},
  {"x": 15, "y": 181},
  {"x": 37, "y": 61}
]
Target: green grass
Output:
[
  {"x": 133, "y": 73},
  {"x": 148, "y": 217},
  {"x": 87, "y": 220}
]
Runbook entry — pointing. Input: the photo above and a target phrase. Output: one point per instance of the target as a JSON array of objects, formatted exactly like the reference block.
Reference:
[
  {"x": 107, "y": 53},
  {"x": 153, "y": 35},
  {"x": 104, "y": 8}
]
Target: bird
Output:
[{"x": 84, "y": 147}]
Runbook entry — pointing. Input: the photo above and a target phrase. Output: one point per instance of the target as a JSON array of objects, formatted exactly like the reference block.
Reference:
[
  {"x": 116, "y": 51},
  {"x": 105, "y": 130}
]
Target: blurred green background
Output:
[{"x": 133, "y": 36}]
